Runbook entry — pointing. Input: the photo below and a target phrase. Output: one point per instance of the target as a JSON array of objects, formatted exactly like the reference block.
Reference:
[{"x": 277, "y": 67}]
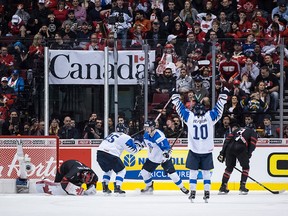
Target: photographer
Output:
[
  {"x": 12, "y": 125},
  {"x": 93, "y": 130}
]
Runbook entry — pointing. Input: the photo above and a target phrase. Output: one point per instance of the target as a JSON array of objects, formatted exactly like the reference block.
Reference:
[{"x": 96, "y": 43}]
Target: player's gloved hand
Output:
[
  {"x": 221, "y": 157},
  {"x": 175, "y": 98},
  {"x": 140, "y": 144},
  {"x": 224, "y": 93},
  {"x": 91, "y": 190},
  {"x": 167, "y": 154}
]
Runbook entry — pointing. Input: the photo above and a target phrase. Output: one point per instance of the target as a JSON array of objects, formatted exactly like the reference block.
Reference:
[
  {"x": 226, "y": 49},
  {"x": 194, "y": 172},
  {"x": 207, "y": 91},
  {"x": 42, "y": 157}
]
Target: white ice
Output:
[{"x": 161, "y": 203}]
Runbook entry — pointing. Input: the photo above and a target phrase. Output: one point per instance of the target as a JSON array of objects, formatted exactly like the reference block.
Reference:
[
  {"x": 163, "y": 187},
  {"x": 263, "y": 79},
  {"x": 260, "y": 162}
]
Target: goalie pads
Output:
[{"x": 90, "y": 191}]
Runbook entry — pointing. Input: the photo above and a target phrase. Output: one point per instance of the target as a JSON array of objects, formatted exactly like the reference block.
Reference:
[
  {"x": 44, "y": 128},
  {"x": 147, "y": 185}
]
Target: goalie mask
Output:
[
  {"x": 199, "y": 109},
  {"x": 87, "y": 177}
]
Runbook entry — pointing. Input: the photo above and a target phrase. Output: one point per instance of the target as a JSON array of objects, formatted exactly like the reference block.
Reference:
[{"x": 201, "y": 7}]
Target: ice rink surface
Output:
[{"x": 162, "y": 203}]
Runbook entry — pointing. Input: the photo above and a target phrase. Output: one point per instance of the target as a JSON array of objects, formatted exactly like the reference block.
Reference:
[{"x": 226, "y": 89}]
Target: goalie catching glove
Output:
[{"x": 175, "y": 98}]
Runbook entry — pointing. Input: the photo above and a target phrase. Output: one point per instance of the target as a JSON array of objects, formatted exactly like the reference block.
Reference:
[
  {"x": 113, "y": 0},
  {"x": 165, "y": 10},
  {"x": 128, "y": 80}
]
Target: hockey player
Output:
[
  {"x": 108, "y": 156},
  {"x": 159, "y": 153},
  {"x": 73, "y": 173},
  {"x": 200, "y": 139},
  {"x": 239, "y": 145}
]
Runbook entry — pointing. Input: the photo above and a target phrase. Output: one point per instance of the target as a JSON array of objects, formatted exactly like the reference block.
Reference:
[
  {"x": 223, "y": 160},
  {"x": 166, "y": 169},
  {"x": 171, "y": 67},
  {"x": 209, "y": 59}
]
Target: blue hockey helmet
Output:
[
  {"x": 122, "y": 128},
  {"x": 150, "y": 123},
  {"x": 199, "y": 109}
]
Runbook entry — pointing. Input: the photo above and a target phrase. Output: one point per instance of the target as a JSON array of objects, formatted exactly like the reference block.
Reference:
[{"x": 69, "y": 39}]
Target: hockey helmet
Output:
[
  {"x": 122, "y": 128},
  {"x": 149, "y": 123},
  {"x": 87, "y": 177},
  {"x": 199, "y": 109}
]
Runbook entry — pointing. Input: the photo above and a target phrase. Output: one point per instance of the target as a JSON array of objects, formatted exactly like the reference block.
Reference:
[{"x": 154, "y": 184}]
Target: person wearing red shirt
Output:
[
  {"x": 61, "y": 13},
  {"x": 5, "y": 58}
]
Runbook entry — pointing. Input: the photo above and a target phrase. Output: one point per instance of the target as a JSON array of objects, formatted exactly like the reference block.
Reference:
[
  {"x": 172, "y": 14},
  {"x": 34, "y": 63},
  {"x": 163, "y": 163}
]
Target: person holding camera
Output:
[
  {"x": 93, "y": 130},
  {"x": 12, "y": 124},
  {"x": 67, "y": 131}
]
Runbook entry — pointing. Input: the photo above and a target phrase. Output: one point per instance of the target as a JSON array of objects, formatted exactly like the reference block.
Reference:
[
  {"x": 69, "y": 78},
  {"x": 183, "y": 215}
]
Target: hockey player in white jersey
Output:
[
  {"x": 159, "y": 153},
  {"x": 200, "y": 139},
  {"x": 108, "y": 156}
]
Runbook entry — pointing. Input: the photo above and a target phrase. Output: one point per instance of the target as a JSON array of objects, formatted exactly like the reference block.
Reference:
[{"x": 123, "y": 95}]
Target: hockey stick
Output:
[
  {"x": 158, "y": 116},
  {"x": 273, "y": 192},
  {"x": 180, "y": 133}
]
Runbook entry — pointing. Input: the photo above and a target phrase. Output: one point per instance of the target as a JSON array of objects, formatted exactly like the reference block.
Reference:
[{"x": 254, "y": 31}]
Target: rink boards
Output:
[{"x": 269, "y": 165}]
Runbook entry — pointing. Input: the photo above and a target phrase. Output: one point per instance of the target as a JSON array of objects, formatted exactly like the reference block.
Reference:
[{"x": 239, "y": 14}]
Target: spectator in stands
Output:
[
  {"x": 191, "y": 101},
  {"x": 188, "y": 14},
  {"x": 83, "y": 36},
  {"x": 234, "y": 109},
  {"x": 111, "y": 127},
  {"x": 137, "y": 38},
  {"x": 165, "y": 24},
  {"x": 122, "y": 29},
  {"x": 207, "y": 48},
  {"x": 249, "y": 121},
  {"x": 59, "y": 43},
  {"x": 206, "y": 21},
  {"x": 244, "y": 23},
  {"x": 224, "y": 128},
  {"x": 269, "y": 129},
  {"x": 272, "y": 66},
  {"x": 229, "y": 70},
  {"x": 238, "y": 55},
  {"x": 67, "y": 131},
  {"x": 68, "y": 35},
  {"x": 263, "y": 92},
  {"x": 12, "y": 124},
  {"x": 234, "y": 31},
  {"x": 170, "y": 130},
  {"x": 37, "y": 128},
  {"x": 229, "y": 8},
  {"x": 54, "y": 127},
  {"x": 171, "y": 10},
  {"x": 7, "y": 93},
  {"x": 257, "y": 56},
  {"x": 215, "y": 27},
  {"x": 22, "y": 13},
  {"x": 40, "y": 13},
  {"x": 190, "y": 45},
  {"x": 60, "y": 12},
  {"x": 6, "y": 59},
  {"x": 201, "y": 93},
  {"x": 32, "y": 27},
  {"x": 80, "y": 12},
  {"x": 285, "y": 131},
  {"x": 250, "y": 71},
  {"x": 72, "y": 21},
  {"x": 15, "y": 25},
  {"x": 98, "y": 12},
  {"x": 53, "y": 25},
  {"x": 165, "y": 83},
  {"x": 16, "y": 82},
  {"x": 224, "y": 24},
  {"x": 95, "y": 43},
  {"x": 93, "y": 129},
  {"x": 199, "y": 34},
  {"x": 249, "y": 45},
  {"x": 184, "y": 82},
  {"x": 248, "y": 7},
  {"x": 140, "y": 20},
  {"x": 271, "y": 84},
  {"x": 282, "y": 10}
]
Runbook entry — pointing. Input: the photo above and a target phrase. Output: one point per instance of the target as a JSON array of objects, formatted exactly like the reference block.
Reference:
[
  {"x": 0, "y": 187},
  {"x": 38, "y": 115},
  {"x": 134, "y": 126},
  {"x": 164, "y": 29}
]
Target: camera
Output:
[
  {"x": 89, "y": 126},
  {"x": 15, "y": 120},
  {"x": 114, "y": 19}
]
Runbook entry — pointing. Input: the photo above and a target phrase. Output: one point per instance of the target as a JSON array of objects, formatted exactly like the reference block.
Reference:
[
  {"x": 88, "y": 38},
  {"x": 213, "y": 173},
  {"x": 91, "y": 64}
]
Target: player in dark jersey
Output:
[
  {"x": 77, "y": 173},
  {"x": 238, "y": 145}
]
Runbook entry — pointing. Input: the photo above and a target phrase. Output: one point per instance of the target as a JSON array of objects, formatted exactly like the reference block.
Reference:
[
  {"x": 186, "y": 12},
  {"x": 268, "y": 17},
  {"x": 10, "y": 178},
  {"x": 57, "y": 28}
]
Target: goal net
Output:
[{"x": 43, "y": 151}]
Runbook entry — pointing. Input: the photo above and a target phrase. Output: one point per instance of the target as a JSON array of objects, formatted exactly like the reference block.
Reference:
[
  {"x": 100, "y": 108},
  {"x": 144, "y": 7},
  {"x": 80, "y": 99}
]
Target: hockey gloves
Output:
[
  {"x": 175, "y": 98},
  {"x": 224, "y": 93},
  {"x": 167, "y": 154},
  {"x": 90, "y": 191},
  {"x": 221, "y": 157},
  {"x": 139, "y": 144}
]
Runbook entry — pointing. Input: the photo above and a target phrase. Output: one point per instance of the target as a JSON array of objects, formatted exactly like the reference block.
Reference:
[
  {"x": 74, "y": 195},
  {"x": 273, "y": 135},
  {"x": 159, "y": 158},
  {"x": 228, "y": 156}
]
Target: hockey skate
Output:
[
  {"x": 192, "y": 196},
  {"x": 206, "y": 196},
  {"x": 148, "y": 189},
  {"x": 118, "y": 191},
  {"x": 243, "y": 190},
  {"x": 223, "y": 189},
  {"x": 106, "y": 189},
  {"x": 184, "y": 190}
]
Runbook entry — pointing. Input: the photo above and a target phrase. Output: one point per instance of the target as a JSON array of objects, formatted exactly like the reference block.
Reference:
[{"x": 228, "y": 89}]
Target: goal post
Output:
[{"x": 43, "y": 152}]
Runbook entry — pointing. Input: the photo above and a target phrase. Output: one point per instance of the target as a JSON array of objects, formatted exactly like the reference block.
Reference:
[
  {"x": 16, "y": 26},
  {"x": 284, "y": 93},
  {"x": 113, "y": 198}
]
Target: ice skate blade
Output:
[
  {"x": 120, "y": 195},
  {"x": 243, "y": 193},
  {"x": 222, "y": 193}
]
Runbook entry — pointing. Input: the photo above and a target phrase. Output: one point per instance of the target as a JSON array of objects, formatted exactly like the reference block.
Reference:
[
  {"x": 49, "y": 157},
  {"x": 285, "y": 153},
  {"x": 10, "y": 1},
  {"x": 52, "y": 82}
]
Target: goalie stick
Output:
[{"x": 273, "y": 192}]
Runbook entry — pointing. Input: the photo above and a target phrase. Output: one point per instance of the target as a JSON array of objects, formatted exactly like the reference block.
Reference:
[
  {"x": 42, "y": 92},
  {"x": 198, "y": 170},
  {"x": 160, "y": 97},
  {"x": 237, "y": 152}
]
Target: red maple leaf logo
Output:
[
  {"x": 141, "y": 58},
  {"x": 46, "y": 189},
  {"x": 79, "y": 191}
]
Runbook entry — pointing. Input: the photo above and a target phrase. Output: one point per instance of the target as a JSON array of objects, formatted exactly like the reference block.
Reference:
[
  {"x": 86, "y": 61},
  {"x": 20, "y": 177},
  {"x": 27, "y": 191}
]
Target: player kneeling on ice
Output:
[
  {"x": 70, "y": 177},
  {"x": 108, "y": 156},
  {"x": 159, "y": 153},
  {"x": 200, "y": 125},
  {"x": 238, "y": 145}
]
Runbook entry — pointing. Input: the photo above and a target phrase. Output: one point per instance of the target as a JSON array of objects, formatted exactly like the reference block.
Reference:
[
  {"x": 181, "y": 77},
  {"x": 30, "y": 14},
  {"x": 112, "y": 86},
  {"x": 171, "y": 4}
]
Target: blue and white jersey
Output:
[
  {"x": 156, "y": 145},
  {"x": 117, "y": 142},
  {"x": 201, "y": 128}
]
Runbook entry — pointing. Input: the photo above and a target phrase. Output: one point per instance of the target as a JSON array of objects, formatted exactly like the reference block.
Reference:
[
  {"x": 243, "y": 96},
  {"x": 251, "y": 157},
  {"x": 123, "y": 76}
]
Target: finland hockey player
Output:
[
  {"x": 108, "y": 156},
  {"x": 159, "y": 153},
  {"x": 200, "y": 139},
  {"x": 238, "y": 145}
]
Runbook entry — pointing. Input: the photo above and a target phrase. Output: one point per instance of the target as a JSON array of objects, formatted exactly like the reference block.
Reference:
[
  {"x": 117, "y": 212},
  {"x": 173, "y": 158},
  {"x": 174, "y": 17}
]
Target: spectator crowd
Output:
[{"x": 247, "y": 36}]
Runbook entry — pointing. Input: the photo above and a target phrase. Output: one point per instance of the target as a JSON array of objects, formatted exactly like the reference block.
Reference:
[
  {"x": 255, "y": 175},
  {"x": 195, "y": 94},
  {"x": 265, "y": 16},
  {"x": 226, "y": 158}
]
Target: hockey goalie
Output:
[{"x": 72, "y": 178}]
